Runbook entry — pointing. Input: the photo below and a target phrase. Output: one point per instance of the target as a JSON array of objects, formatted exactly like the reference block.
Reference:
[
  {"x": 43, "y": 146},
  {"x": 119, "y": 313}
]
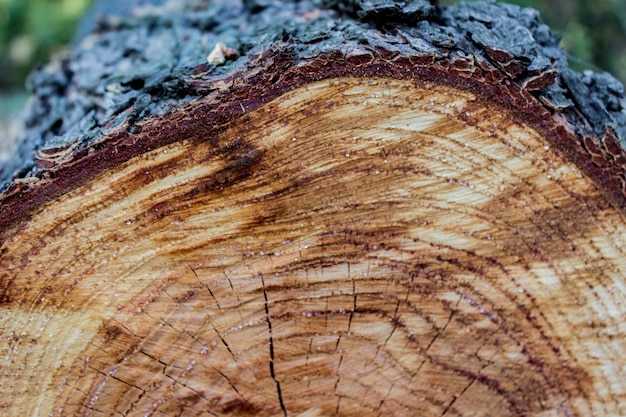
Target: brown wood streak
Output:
[{"x": 401, "y": 248}]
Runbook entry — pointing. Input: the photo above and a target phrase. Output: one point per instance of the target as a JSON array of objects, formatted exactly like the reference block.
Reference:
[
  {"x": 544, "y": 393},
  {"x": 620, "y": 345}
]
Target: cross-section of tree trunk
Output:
[{"x": 316, "y": 209}]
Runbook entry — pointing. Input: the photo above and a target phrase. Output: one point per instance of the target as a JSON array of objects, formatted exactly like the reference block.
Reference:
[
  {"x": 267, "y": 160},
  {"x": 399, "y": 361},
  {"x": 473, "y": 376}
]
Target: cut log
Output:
[{"x": 319, "y": 209}]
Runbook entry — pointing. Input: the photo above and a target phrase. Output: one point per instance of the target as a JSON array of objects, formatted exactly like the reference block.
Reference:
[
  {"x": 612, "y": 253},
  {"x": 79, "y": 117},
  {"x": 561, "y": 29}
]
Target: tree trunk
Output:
[{"x": 310, "y": 209}]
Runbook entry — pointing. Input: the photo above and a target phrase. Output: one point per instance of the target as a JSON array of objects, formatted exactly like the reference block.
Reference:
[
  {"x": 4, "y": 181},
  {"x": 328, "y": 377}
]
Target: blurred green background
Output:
[
  {"x": 31, "y": 31},
  {"x": 594, "y": 35}
]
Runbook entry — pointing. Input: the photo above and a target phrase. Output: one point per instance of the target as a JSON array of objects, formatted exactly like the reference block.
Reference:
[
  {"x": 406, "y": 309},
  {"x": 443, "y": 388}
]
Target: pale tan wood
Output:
[{"x": 356, "y": 247}]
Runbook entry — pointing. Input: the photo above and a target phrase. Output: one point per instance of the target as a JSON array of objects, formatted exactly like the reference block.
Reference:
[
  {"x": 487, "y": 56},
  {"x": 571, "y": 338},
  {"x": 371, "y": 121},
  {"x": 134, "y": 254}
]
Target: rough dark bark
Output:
[{"x": 92, "y": 209}]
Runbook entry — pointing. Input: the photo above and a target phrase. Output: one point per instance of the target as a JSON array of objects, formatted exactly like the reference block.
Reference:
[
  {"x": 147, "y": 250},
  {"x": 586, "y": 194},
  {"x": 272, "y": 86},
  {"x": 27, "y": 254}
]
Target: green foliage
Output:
[{"x": 31, "y": 31}]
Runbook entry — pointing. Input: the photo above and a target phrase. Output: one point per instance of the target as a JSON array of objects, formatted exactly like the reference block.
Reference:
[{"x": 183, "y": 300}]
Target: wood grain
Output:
[{"x": 355, "y": 247}]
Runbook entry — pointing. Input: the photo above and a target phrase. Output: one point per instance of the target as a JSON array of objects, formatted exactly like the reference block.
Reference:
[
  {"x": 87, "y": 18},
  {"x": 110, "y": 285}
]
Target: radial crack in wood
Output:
[{"x": 355, "y": 247}]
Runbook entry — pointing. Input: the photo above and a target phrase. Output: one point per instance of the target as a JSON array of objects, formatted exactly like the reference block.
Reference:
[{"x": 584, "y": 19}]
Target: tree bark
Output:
[{"x": 316, "y": 208}]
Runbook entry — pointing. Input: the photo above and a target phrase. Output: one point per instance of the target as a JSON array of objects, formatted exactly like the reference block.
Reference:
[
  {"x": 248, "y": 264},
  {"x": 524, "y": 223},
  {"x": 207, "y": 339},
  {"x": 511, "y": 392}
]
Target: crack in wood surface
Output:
[{"x": 271, "y": 346}]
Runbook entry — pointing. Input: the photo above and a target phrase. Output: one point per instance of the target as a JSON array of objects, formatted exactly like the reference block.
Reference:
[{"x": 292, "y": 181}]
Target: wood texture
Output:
[
  {"x": 364, "y": 209},
  {"x": 357, "y": 246}
]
